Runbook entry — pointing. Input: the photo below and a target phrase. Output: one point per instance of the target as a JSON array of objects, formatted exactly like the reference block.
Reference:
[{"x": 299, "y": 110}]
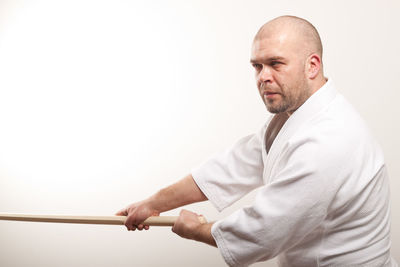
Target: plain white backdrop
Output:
[{"x": 102, "y": 103}]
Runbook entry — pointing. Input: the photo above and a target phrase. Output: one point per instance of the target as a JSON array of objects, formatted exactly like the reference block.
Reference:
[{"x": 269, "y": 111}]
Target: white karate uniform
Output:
[{"x": 324, "y": 199}]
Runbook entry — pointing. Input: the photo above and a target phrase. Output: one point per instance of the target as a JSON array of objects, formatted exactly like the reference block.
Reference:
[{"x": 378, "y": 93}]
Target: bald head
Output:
[
  {"x": 294, "y": 29},
  {"x": 287, "y": 58}
]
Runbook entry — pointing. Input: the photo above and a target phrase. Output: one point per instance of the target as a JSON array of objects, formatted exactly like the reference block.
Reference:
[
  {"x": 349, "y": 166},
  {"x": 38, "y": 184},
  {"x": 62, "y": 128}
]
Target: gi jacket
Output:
[{"x": 324, "y": 196}]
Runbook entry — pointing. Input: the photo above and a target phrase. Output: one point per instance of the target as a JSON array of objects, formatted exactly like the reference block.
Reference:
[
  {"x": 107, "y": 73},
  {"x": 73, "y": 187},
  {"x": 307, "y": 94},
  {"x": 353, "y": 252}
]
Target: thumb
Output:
[{"x": 122, "y": 212}]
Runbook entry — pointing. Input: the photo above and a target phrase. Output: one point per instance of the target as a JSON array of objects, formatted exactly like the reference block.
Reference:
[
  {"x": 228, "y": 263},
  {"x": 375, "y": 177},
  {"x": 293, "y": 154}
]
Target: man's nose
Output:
[{"x": 265, "y": 75}]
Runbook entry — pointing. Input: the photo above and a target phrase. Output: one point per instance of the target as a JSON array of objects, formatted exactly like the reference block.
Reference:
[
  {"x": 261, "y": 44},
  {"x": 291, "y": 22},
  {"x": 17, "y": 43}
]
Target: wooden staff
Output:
[{"x": 113, "y": 220}]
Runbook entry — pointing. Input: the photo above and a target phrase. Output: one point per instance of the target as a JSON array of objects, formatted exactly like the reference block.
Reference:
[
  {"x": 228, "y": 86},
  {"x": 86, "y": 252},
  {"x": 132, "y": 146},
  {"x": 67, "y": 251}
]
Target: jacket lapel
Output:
[{"x": 315, "y": 103}]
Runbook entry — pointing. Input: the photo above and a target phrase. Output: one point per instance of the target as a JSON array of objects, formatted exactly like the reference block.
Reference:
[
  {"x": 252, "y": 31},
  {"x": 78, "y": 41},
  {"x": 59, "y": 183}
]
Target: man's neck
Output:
[
  {"x": 274, "y": 127},
  {"x": 315, "y": 86}
]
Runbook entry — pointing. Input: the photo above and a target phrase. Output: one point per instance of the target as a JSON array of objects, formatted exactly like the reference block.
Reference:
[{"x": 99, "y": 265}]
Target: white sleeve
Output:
[
  {"x": 228, "y": 176},
  {"x": 283, "y": 212}
]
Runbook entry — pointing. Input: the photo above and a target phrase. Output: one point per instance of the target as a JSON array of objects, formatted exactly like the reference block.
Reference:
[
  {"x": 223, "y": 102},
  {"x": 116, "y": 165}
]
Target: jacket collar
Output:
[{"x": 313, "y": 105}]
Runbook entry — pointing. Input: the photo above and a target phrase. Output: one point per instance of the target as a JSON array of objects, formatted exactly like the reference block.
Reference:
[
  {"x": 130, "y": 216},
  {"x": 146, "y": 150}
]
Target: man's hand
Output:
[
  {"x": 136, "y": 214},
  {"x": 189, "y": 226},
  {"x": 182, "y": 193}
]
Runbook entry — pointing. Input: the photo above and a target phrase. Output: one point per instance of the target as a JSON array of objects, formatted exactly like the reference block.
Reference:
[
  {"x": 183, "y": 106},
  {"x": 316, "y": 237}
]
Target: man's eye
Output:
[
  {"x": 275, "y": 63},
  {"x": 257, "y": 66}
]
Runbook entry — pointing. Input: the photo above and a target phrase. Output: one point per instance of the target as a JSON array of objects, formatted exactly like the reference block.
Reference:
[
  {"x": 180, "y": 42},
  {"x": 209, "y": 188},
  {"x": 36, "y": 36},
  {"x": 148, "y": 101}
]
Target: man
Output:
[{"x": 324, "y": 197}]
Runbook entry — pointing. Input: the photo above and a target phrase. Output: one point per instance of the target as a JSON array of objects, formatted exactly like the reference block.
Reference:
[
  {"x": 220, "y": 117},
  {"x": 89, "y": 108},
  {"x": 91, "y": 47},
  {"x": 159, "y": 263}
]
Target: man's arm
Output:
[{"x": 182, "y": 193}]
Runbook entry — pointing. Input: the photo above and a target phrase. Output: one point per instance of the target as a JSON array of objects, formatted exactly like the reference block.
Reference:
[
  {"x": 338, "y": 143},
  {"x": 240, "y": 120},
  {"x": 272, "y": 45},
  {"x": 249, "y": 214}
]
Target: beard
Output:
[
  {"x": 276, "y": 106},
  {"x": 288, "y": 100}
]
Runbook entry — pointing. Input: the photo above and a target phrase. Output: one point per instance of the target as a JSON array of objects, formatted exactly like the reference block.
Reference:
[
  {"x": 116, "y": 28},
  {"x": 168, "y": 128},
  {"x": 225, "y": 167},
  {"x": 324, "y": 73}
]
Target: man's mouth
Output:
[{"x": 270, "y": 94}]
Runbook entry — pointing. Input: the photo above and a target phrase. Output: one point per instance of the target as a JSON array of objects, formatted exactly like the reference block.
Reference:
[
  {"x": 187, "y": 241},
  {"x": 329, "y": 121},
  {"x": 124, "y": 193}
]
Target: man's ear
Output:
[{"x": 313, "y": 66}]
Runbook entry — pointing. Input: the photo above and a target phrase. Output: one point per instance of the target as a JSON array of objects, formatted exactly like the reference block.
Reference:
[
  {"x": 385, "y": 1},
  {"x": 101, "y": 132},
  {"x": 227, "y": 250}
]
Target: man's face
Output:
[{"x": 280, "y": 73}]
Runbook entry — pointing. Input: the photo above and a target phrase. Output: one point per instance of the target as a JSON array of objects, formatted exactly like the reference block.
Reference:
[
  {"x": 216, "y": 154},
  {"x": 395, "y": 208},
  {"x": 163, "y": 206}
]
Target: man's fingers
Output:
[
  {"x": 140, "y": 227},
  {"x": 131, "y": 225},
  {"x": 135, "y": 216}
]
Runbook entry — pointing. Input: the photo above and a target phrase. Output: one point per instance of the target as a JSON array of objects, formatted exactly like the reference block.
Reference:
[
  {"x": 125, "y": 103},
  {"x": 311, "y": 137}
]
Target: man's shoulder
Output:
[
  {"x": 337, "y": 124},
  {"x": 336, "y": 136}
]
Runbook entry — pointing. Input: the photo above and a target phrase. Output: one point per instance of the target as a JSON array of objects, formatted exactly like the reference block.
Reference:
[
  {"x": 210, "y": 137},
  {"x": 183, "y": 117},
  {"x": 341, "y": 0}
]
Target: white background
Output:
[{"x": 104, "y": 102}]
